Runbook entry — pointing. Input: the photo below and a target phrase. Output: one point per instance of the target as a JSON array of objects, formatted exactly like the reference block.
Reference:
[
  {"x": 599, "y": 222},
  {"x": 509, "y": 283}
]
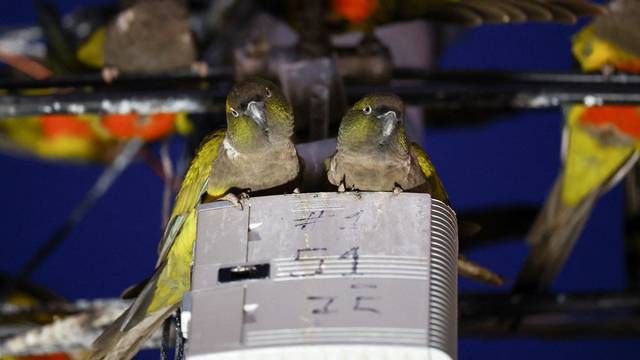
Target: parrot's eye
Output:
[
  {"x": 367, "y": 110},
  {"x": 234, "y": 112},
  {"x": 268, "y": 93}
]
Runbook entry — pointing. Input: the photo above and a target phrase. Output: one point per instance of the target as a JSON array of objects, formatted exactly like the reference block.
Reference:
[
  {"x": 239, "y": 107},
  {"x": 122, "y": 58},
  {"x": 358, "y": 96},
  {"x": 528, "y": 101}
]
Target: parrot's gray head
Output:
[
  {"x": 376, "y": 121},
  {"x": 263, "y": 107}
]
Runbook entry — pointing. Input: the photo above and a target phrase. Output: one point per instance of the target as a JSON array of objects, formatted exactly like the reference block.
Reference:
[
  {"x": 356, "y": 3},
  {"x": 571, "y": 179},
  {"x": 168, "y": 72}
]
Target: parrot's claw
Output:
[
  {"x": 244, "y": 195},
  {"x": 608, "y": 70},
  {"x": 342, "y": 188},
  {"x": 109, "y": 74},
  {"x": 397, "y": 190},
  {"x": 200, "y": 68},
  {"x": 296, "y": 191},
  {"x": 234, "y": 200}
]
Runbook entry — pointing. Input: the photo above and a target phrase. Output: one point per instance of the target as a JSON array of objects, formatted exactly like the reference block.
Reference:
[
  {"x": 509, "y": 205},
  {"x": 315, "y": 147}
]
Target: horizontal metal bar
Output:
[
  {"x": 476, "y": 306},
  {"x": 550, "y": 315},
  {"x": 192, "y": 101},
  {"x": 522, "y": 77},
  {"x": 438, "y": 90},
  {"x": 555, "y": 328},
  {"x": 123, "y": 81}
]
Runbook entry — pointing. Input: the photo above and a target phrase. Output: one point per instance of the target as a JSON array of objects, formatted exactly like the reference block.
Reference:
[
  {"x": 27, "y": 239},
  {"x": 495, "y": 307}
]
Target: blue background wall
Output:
[{"x": 514, "y": 159}]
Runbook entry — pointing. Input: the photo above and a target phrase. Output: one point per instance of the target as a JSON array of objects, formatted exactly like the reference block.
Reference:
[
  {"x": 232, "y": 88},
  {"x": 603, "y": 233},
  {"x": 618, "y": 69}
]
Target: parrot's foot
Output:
[
  {"x": 244, "y": 195},
  {"x": 109, "y": 74},
  {"x": 296, "y": 191},
  {"x": 397, "y": 190},
  {"x": 478, "y": 272},
  {"x": 200, "y": 68},
  {"x": 234, "y": 200},
  {"x": 608, "y": 70},
  {"x": 342, "y": 188}
]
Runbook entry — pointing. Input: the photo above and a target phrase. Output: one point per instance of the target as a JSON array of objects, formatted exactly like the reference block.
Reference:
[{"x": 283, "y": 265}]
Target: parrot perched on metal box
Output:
[
  {"x": 255, "y": 152},
  {"x": 600, "y": 146},
  {"x": 374, "y": 154}
]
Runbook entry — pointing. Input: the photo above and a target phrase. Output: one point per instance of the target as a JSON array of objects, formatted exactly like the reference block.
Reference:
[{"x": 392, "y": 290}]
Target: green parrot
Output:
[
  {"x": 374, "y": 154},
  {"x": 254, "y": 153}
]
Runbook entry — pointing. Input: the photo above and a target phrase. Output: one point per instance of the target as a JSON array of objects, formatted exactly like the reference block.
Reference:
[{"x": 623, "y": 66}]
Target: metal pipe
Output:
[{"x": 438, "y": 90}]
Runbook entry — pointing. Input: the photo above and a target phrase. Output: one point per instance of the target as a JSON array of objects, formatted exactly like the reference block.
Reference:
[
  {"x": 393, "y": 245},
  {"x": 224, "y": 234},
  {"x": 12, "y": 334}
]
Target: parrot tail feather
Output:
[
  {"x": 470, "y": 269},
  {"x": 122, "y": 339},
  {"x": 118, "y": 344},
  {"x": 558, "y": 227},
  {"x": 552, "y": 237}
]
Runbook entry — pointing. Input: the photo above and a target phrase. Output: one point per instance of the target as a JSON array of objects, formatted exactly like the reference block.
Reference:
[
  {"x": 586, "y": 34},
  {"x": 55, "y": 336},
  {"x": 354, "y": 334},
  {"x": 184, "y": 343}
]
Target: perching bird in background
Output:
[
  {"x": 599, "y": 146},
  {"x": 254, "y": 153},
  {"x": 374, "y": 154},
  {"x": 147, "y": 37},
  {"x": 611, "y": 41},
  {"x": 87, "y": 137}
]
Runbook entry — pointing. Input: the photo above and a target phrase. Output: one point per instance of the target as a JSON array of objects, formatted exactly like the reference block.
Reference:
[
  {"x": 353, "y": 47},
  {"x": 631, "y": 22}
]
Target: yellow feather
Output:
[
  {"x": 429, "y": 171},
  {"x": 90, "y": 52},
  {"x": 193, "y": 187},
  {"x": 183, "y": 124},
  {"x": 194, "y": 182},
  {"x": 172, "y": 277},
  {"x": 175, "y": 278},
  {"x": 590, "y": 162},
  {"x": 25, "y": 132}
]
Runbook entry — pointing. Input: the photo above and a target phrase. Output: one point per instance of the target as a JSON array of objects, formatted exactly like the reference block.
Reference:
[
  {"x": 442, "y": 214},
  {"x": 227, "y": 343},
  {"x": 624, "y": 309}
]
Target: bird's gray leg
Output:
[
  {"x": 200, "y": 68},
  {"x": 608, "y": 70},
  {"x": 234, "y": 200},
  {"x": 109, "y": 73},
  {"x": 167, "y": 172},
  {"x": 342, "y": 188}
]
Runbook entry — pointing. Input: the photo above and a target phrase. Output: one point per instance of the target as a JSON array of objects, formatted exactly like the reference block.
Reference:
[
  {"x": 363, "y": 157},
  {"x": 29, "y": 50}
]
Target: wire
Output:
[
  {"x": 166, "y": 338},
  {"x": 179, "y": 339},
  {"x": 99, "y": 188}
]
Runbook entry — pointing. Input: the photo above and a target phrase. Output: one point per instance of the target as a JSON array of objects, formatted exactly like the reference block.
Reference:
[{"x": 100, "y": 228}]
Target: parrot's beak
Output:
[
  {"x": 255, "y": 110},
  {"x": 390, "y": 120}
]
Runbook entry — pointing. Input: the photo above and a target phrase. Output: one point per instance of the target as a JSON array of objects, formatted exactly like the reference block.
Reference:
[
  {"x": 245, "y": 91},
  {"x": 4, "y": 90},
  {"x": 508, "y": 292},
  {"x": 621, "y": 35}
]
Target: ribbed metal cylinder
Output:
[{"x": 324, "y": 275}]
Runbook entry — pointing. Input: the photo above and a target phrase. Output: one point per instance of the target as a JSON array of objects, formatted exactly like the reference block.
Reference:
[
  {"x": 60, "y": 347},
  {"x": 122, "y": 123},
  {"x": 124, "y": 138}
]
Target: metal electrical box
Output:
[{"x": 324, "y": 276}]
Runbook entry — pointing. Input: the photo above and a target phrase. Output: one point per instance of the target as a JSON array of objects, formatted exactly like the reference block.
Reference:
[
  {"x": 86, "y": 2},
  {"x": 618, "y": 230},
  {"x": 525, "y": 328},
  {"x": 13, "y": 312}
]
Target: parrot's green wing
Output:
[
  {"x": 171, "y": 279},
  {"x": 194, "y": 185},
  {"x": 429, "y": 171},
  {"x": 195, "y": 181}
]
